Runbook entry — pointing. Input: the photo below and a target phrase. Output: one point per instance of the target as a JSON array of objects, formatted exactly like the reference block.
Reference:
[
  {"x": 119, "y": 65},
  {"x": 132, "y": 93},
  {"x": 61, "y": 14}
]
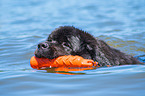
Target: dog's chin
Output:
[{"x": 38, "y": 56}]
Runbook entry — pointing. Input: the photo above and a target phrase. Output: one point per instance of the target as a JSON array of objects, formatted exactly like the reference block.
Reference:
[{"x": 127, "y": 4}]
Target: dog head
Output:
[{"x": 62, "y": 41}]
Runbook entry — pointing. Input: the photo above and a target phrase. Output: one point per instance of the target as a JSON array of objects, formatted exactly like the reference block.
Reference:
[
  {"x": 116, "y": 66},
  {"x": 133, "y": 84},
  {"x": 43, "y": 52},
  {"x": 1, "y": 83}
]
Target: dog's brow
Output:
[{"x": 50, "y": 41}]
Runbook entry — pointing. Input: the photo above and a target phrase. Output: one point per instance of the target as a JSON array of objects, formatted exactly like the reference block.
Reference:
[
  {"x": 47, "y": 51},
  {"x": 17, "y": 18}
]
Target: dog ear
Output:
[
  {"x": 97, "y": 55},
  {"x": 91, "y": 51}
]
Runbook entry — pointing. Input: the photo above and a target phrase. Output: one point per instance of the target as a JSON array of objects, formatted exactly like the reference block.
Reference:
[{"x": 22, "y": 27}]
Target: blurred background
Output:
[{"x": 25, "y": 23}]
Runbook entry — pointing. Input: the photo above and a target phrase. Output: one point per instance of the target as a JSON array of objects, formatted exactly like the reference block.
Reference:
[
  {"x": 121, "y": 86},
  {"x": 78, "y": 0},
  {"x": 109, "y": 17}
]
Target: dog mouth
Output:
[
  {"x": 50, "y": 53},
  {"x": 38, "y": 53},
  {"x": 42, "y": 54}
]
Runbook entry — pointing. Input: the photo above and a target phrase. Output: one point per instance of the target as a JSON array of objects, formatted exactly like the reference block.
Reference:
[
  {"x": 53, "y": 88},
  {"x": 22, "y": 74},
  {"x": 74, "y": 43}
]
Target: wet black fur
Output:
[{"x": 68, "y": 40}]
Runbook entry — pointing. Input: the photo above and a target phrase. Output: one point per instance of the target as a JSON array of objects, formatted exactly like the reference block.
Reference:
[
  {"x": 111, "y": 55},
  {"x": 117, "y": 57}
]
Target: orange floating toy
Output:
[{"x": 62, "y": 61}]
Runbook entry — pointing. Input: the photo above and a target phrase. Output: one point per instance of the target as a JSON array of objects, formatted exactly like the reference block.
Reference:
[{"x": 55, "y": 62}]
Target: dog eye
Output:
[
  {"x": 49, "y": 40},
  {"x": 65, "y": 44}
]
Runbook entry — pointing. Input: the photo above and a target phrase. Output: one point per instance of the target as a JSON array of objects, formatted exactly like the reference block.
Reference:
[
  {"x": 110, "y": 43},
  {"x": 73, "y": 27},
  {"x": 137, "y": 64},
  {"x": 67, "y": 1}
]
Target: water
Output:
[{"x": 25, "y": 23}]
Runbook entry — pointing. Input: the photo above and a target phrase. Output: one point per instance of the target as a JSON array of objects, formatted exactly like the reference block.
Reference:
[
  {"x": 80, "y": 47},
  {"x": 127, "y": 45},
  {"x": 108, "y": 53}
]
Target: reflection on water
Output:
[
  {"x": 131, "y": 46},
  {"x": 23, "y": 24},
  {"x": 69, "y": 71}
]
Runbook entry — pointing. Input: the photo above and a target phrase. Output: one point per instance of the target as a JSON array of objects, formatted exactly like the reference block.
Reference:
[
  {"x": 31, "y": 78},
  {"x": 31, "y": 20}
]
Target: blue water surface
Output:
[{"x": 25, "y": 23}]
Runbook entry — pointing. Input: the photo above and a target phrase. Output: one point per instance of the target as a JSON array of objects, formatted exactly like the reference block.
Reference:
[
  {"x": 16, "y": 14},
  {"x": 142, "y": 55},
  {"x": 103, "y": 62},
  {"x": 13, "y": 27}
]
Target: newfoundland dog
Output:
[{"x": 68, "y": 40}]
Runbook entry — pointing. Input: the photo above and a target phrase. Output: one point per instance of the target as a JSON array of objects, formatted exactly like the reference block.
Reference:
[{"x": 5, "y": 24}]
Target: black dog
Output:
[{"x": 69, "y": 40}]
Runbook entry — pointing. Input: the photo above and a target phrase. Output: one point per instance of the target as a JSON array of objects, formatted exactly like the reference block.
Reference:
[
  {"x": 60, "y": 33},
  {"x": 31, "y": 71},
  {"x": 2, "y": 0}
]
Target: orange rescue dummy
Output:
[{"x": 62, "y": 61}]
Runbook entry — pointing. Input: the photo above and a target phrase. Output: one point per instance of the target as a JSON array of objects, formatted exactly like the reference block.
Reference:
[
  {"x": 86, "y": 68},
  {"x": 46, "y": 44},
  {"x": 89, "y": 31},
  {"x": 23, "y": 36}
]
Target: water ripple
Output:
[{"x": 23, "y": 24}]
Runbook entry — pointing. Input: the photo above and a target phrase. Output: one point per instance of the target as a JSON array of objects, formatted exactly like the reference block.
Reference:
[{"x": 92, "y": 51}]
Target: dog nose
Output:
[{"x": 43, "y": 45}]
